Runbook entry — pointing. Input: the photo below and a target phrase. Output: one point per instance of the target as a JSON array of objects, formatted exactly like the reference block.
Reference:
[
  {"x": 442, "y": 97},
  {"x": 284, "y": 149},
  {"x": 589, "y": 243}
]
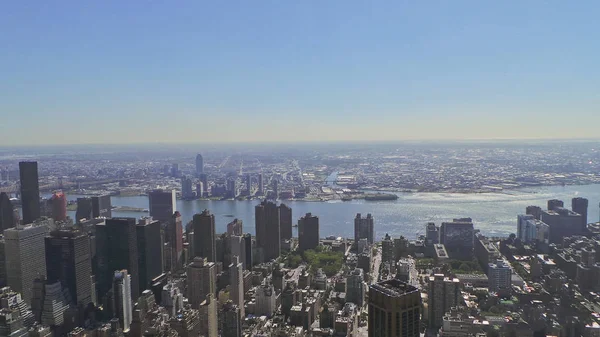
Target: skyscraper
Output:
[
  {"x": 238, "y": 248},
  {"x": 268, "y": 238},
  {"x": 205, "y": 236},
  {"x": 149, "y": 252},
  {"x": 187, "y": 191},
  {"x": 101, "y": 206},
  {"x": 308, "y": 232},
  {"x": 248, "y": 247},
  {"x": 394, "y": 309},
  {"x": 162, "y": 204},
  {"x": 30, "y": 191},
  {"x": 266, "y": 299},
  {"x": 499, "y": 276},
  {"x": 562, "y": 223},
  {"x": 232, "y": 320},
  {"x": 237, "y": 284},
  {"x": 122, "y": 299},
  {"x": 536, "y": 211},
  {"x": 458, "y": 238},
  {"x": 249, "y": 183},
  {"x": 7, "y": 219},
  {"x": 199, "y": 165},
  {"x": 59, "y": 206},
  {"x": 286, "y": 222},
  {"x": 355, "y": 287},
  {"x": 116, "y": 249},
  {"x": 201, "y": 279},
  {"x": 69, "y": 260},
  {"x": 204, "y": 180},
  {"x": 235, "y": 227},
  {"x": 580, "y": 205},
  {"x": 364, "y": 228},
  {"x": 554, "y": 204},
  {"x": 208, "y": 317},
  {"x": 443, "y": 294},
  {"x": 175, "y": 239},
  {"x": 25, "y": 257},
  {"x": 175, "y": 170},
  {"x": 261, "y": 184},
  {"x": 276, "y": 188}
]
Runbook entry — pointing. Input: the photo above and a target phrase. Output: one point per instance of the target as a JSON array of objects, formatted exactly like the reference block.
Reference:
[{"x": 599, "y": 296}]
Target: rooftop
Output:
[{"x": 393, "y": 287}]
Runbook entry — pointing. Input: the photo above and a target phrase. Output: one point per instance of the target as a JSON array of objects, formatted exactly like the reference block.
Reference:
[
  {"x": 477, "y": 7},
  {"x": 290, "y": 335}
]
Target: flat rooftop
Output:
[{"x": 393, "y": 287}]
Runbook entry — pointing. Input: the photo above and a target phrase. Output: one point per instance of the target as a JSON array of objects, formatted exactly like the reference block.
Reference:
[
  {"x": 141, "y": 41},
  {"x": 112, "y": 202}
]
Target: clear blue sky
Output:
[{"x": 222, "y": 71}]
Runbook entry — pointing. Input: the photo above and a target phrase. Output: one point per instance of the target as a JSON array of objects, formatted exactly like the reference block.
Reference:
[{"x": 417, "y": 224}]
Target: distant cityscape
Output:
[
  {"x": 318, "y": 173},
  {"x": 96, "y": 274}
]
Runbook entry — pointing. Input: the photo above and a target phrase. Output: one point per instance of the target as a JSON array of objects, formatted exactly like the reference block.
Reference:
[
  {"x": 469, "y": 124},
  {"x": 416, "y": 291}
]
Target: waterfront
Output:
[{"x": 493, "y": 213}]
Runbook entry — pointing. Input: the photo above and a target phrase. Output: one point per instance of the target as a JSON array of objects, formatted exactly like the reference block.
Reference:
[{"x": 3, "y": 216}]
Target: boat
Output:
[{"x": 381, "y": 196}]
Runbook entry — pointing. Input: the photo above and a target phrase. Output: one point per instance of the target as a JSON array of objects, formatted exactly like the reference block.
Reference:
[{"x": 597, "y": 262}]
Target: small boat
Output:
[{"x": 229, "y": 215}]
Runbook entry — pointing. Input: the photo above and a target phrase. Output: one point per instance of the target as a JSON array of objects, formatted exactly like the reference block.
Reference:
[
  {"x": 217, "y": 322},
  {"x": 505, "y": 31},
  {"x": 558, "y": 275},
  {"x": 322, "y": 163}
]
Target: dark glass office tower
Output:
[
  {"x": 285, "y": 216},
  {"x": 268, "y": 230},
  {"x": 30, "y": 191},
  {"x": 93, "y": 207},
  {"x": 7, "y": 215},
  {"x": 116, "y": 249},
  {"x": 308, "y": 232},
  {"x": 205, "y": 236},
  {"x": 162, "y": 205},
  {"x": 68, "y": 260},
  {"x": 102, "y": 206},
  {"x": 149, "y": 252},
  {"x": 580, "y": 205},
  {"x": 248, "y": 247}
]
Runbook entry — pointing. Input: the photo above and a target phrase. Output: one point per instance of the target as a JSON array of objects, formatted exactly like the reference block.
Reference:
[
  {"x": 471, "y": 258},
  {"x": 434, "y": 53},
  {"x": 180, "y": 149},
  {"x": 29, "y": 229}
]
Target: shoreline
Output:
[{"x": 360, "y": 194}]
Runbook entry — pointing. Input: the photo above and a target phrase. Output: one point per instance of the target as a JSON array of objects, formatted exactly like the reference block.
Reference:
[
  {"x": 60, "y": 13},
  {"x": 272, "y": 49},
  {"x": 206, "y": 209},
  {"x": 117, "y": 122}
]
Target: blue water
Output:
[{"x": 493, "y": 213}]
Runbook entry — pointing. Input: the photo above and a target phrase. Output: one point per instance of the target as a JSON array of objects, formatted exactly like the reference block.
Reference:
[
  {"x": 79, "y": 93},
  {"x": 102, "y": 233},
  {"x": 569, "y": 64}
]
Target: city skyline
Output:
[{"x": 345, "y": 71}]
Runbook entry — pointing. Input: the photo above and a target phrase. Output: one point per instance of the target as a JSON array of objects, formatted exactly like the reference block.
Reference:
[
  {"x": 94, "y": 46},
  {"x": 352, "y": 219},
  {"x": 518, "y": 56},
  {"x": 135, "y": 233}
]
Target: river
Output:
[{"x": 492, "y": 213}]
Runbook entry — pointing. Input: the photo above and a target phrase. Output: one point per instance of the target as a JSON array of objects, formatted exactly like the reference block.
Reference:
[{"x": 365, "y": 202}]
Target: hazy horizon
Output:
[{"x": 271, "y": 72}]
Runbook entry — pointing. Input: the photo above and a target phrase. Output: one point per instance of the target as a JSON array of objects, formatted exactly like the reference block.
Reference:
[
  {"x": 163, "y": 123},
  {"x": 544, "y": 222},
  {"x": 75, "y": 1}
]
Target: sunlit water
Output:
[{"x": 493, "y": 213}]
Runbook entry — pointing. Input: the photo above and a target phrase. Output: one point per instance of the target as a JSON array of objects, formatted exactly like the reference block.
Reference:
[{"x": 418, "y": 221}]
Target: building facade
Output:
[
  {"x": 162, "y": 204},
  {"x": 286, "y": 222},
  {"x": 268, "y": 230},
  {"x": 499, "y": 276},
  {"x": 30, "y": 191},
  {"x": 394, "y": 309},
  {"x": 308, "y": 232},
  {"x": 25, "y": 257},
  {"x": 443, "y": 293},
  {"x": 201, "y": 279},
  {"x": 149, "y": 252},
  {"x": 203, "y": 225},
  {"x": 116, "y": 249},
  {"x": 364, "y": 228},
  {"x": 69, "y": 260}
]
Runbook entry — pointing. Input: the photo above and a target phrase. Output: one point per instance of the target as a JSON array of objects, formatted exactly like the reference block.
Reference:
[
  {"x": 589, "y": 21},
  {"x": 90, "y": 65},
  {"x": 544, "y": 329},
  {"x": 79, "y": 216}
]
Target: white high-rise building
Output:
[
  {"x": 122, "y": 298},
  {"x": 526, "y": 227},
  {"x": 25, "y": 257},
  {"x": 265, "y": 300},
  {"x": 237, "y": 284},
  {"x": 499, "y": 276}
]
